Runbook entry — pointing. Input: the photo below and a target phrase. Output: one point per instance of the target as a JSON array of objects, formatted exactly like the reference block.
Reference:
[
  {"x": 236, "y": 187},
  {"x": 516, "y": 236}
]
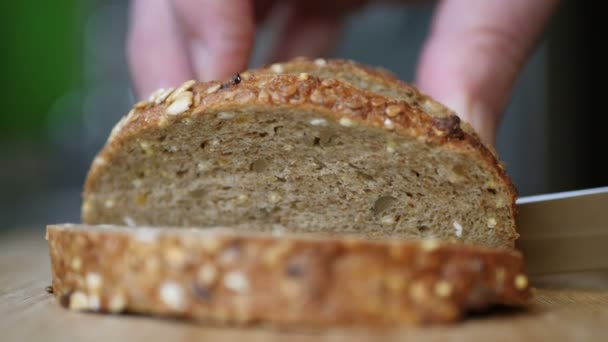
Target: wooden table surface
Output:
[{"x": 28, "y": 313}]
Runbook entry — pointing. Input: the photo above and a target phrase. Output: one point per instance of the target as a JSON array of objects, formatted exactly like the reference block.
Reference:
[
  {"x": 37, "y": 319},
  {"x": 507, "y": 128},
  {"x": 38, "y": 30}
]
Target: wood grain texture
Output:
[{"x": 28, "y": 313}]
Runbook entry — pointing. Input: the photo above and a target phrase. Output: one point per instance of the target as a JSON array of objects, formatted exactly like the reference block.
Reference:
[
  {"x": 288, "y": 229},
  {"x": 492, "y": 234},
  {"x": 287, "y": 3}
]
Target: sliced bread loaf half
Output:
[
  {"x": 309, "y": 153},
  {"x": 228, "y": 275}
]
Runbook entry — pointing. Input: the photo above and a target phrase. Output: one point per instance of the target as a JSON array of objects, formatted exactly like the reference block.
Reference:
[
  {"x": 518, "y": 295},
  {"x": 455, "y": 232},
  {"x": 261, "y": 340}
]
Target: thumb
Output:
[
  {"x": 474, "y": 53},
  {"x": 220, "y": 35}
]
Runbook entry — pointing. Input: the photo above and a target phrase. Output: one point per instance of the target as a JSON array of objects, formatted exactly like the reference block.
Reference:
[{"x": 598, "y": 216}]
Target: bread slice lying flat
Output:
[
  {"x": 315, "y": 155},
  {"x": 228, "y": 275}
]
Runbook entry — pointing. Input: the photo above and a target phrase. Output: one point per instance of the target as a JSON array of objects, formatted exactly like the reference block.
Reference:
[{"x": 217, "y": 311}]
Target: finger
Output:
[
  {"x": 474, "y": 53},
  {"x": 220, "y": 34},
  {"x": 156, "y": 53}
]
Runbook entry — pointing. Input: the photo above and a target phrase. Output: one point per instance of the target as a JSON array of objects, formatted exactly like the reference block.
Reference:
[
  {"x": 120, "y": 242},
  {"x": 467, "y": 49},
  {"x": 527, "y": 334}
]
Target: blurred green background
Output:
[
  {"x": 66, "y": 83},
  {"x": 42, "y": 62}
]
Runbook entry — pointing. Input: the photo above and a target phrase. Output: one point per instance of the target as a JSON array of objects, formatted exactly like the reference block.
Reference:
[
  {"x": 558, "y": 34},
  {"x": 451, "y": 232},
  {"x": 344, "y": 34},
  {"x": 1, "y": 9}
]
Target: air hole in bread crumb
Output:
[
  {"x": 326, "y": 136},
  {"x": 383, "y": 203},
  {"x": 364, "y": 175},
  {"x": 262, "y": 134},
  {"x": 204, "y": 144},
  {"x": 459, "y": 170},
  {"x": 319, "y": 165},
  {"x": 492, "y": 191},
  {"x": 424, "y": 230},
  {"x": 162, "y": 138},
  {"x": 181, "y": 173},
  {"x": 198, "y": 193},
  {"x": 276, "y": 129},
  {"x": 258, "y": 165},
  {"x": 361, "y": 173},
  {"x": 416, "y": 173}
]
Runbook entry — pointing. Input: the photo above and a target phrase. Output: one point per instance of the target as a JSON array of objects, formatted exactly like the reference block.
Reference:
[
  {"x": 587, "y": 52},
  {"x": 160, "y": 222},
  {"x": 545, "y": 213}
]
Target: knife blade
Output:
[{"x": 564, "y": 232}]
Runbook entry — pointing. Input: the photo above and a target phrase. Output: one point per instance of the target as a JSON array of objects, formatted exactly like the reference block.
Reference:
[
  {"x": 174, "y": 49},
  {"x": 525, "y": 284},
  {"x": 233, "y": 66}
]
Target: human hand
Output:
[
  {"x": 470, "y": 61},
  {"x": 170, "y": 41},
  {"x": 474, "y": 53}
]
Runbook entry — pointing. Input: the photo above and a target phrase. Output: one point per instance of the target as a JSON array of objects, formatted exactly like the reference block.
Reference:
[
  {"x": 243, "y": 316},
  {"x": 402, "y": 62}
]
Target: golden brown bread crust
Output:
[
  {"x": 224, "y": 276},
  {"x": 336, "y": 99},
  {"x": 342, "y": 66},
  {"x": 338, "y": 67},
  {"x": 342, "y": 69}
]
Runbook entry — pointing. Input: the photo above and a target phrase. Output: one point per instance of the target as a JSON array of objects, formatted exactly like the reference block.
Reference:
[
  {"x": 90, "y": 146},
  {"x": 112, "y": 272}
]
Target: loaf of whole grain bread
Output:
[
  {"x": 350, "y": 151},
  {"x": 240, "y": 276},
  {"x": 345, "y": 196}
]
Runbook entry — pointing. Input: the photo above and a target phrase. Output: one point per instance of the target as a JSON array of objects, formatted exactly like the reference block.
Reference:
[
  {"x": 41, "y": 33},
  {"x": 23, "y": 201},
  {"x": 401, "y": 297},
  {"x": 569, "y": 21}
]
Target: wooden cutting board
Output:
[{"x": 561, "y": 311}]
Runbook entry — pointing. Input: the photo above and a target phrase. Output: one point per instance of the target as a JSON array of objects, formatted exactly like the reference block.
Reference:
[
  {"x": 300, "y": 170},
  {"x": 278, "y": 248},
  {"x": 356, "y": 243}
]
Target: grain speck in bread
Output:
[
  {"x": 241, "y": 275},
  {"x": 311, "y": 154}
]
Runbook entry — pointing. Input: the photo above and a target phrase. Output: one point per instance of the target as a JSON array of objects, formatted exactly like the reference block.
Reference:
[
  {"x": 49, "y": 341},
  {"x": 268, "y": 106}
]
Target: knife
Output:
[{"x": 564, "y": 232}]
